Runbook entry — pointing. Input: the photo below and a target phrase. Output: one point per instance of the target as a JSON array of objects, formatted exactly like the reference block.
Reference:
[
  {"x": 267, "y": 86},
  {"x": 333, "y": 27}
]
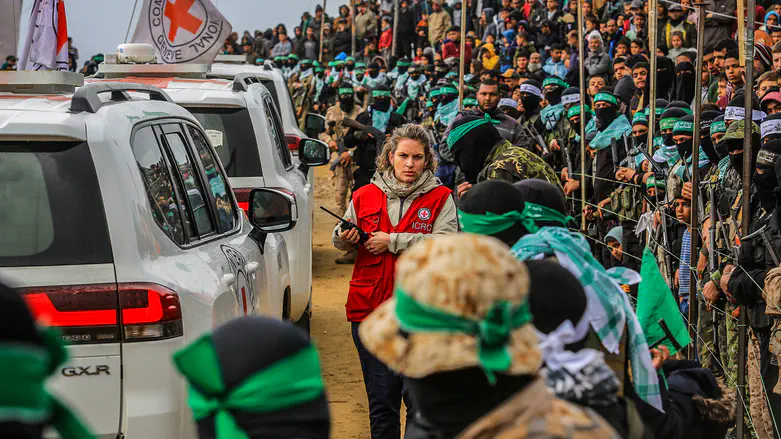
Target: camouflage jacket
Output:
[
  {"x": 535, "y": 413},
  {"x": 513, "y": 163},
  {"x": 338, "y": 132}
]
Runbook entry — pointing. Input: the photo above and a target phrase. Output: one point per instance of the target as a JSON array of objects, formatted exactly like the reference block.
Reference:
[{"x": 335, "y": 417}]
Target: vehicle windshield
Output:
[
  {"x": 52, "y": 206},
  {"x": 230, "y": 132}
]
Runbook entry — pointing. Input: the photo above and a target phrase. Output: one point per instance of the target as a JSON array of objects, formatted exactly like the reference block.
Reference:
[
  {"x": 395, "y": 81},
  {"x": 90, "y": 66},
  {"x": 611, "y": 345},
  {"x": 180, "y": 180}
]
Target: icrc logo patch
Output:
[
  {"x": 183, "y": 30},
  {"x": 424, "y": 214}
]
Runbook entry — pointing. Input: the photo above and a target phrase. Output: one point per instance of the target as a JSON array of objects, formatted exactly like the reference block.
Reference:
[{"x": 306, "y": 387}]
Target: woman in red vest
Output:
[{"x": 404, "y": 203}]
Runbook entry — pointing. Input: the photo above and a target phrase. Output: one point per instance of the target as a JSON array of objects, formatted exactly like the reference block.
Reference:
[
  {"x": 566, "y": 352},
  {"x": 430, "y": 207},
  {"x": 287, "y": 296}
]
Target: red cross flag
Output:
[
  {"x": 46, "y": 44},
  {"x": 182, "y": 31}
]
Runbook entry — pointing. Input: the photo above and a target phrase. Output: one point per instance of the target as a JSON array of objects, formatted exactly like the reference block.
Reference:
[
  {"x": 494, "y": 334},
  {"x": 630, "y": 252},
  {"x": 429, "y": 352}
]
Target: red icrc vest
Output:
[{"x": 372, "y": 281}]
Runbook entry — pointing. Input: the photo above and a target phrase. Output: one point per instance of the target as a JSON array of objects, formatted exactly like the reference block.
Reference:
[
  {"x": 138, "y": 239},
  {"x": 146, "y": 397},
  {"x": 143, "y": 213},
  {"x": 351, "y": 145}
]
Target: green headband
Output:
[
  {"x": 492, "y": 332},
  {"x": 319, "y": 69},
  {"x": 403, "y": 64},
  {"x": 682, "y": 126},
  {"x": 288, "y": 382},
  {"x": 380, "y": 93},
  {"x": 338, "y": 62},
  {"x": 448, "y": 90},
  {"x": 605, "y": 97},
  {"x": 292, "y": 56},
  {"x": 460, "y": 131},
  {"x": 575, "y": 111},
  {"x": 429, "y": 103},
  {"x": 435, "y": 92},
  {"x": 349, "y": 58},
  {"x": 360, "y": 65},
  {"x": 668, "y": 123},
  {"x": 346, "y": 91},
  {"x": 718, "y": 127},
  {"x": 554, "y": 80},
  {"x": 490, "y": 223},
  {"x": 652, "y": 182},
  {"x": 470, "y": 102},
  {"x": 639, "y": 119},
  {"x": 24, "y": 398}
]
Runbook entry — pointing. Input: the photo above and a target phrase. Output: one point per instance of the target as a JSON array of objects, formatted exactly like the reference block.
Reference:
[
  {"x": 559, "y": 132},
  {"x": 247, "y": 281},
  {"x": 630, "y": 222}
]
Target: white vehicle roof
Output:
[{"x": 187, "y": 91}]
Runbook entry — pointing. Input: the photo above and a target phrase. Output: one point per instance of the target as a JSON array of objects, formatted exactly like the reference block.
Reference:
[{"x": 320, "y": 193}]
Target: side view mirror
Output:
[
  {"x": 272, "y": 210},
  {"x": 313, "y": 152},
  {"x": 314, "y": 124}
]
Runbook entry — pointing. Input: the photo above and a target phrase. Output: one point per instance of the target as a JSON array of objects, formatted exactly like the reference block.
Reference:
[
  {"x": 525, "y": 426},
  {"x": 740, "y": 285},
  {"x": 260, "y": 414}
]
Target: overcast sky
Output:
[{"x": 98, "y": 26}]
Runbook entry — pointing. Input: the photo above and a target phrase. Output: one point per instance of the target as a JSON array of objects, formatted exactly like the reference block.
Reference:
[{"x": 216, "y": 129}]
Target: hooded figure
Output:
[
  {"x": 665, "y": 77},
  {"x": 734, "y": 141},
  {"x": 736, "y": 110},
  {"x": 466, "y": 381},
  {"x": 255, "y": 377},
  {"x": 706, "y": 142},
  {"x": 684, "y": 82},
  {"x": 770, "y": 128},
  {"x": 482, "y": 154},
  {"x": 29, "y": 355}
]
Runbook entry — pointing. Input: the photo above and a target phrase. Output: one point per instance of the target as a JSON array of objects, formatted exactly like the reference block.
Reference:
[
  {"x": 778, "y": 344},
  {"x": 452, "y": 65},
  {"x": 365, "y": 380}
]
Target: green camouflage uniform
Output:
[{"x": 512, "y": 163}]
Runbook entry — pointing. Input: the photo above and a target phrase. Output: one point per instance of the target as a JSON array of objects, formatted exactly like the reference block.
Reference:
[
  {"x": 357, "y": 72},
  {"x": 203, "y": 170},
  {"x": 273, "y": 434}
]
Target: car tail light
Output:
[
  {"x": 292, "y": 141},
  {"x": 242, "y": 197},
  {"x": 88, "y": 314}
]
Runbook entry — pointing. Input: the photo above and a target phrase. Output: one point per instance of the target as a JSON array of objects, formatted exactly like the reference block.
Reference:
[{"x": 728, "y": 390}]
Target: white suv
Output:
[
  {"x": 246, "y": 128},
  {"x": 120, "y": 228}
]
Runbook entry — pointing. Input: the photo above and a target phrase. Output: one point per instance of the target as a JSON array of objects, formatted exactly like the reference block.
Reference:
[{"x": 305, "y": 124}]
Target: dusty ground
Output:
[{"x": 330, "y": 329}]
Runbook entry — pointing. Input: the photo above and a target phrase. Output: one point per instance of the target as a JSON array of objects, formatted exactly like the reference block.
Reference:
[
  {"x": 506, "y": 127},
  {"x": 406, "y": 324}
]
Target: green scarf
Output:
[
  {"x": 492, "y": 332},
  {"x": 617, "y": 129},
  {"x": 23, "y": 395},
  {"x": 288, "y": 382},
  {"x": 491, "y": 223},
  {"x": 460, "y": 131}
]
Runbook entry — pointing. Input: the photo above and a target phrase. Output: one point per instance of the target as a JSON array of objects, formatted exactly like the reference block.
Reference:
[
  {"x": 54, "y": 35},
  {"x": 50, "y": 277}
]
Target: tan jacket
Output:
[
  {"x": 336, "y": 114},
  {"x": 446, "y": 222},
  {"x": 438, "y": 22},
  {"x": 535, "y": 413}
]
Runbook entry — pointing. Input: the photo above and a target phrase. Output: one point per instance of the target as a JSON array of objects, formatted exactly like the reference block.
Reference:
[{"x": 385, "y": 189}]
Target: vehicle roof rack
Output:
[
  {"x": 87, "y": 99},
  {"x": 231, "y": 59},
  {"x": 40, "y": 82},
  {"x": 193, "y": 71},
  {"x": 242, "y": 81}
]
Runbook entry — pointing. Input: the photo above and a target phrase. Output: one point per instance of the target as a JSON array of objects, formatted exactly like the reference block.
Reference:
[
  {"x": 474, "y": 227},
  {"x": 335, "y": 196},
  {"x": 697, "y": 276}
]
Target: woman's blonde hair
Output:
[{"x": 410, "y": 131}]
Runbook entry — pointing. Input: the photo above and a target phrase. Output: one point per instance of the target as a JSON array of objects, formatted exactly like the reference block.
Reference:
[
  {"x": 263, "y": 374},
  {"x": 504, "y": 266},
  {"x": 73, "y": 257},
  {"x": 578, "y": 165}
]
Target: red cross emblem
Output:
[{"x": 179, "y": 14}]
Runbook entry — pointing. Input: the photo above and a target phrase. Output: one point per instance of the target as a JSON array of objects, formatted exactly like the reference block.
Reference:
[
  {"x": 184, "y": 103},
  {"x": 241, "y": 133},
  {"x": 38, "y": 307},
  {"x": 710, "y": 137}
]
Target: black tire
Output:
[{"x": 304, "y": 323}]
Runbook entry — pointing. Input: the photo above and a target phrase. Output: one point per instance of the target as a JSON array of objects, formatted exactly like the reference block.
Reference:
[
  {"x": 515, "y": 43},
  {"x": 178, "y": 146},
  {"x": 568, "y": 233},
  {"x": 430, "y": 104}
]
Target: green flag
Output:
[{"x": 655, "y": 301}]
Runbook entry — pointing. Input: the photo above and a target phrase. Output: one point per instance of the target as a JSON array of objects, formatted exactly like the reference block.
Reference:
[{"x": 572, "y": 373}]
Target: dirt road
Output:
[{"x": 330, "y": 329}]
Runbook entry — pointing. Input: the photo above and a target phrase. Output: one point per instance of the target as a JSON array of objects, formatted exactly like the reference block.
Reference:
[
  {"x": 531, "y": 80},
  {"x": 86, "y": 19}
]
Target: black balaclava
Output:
[
  {"x": 553, "y": 95},
  {"x": 346, "y": 101},
  {"x": 684, "y": 84},
  {"x": 685, "y": 148},
  {"x": 373, "y": 69},
  {"x": 766, "y": 183},
  {"x": 381, "y": 103},
  {"x": 669, "y": 112},
  {"x": 529, "y": 100},
  {"x": 705, "y": 140},
  {"x": 606, "y": 116},
  {"x": 499, "y": 197},
  {"x": 576, "y": 125},
  {"x": 736, "y": 160},
  {"x": 555, "y": 296},
  {"x": 545, "y": 194},
  {"x": 665, "y": 77},
  {"x": 471, "y": 150},
  {"x": 250, "y": 344},
  {"x": 642, "y": 139}
]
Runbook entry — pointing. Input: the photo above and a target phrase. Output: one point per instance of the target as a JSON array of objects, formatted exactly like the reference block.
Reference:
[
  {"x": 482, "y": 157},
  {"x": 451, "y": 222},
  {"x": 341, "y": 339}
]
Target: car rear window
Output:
[
  {"x": 52, "y": 210},
  {"x": 269, "y": 84},
  {"x": 231, "y": 133}
]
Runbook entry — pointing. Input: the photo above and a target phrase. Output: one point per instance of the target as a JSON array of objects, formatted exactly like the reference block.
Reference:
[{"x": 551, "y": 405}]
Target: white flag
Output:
[
  {"x": 46, "y": 44},
  {"x": 182, "y": 31}
]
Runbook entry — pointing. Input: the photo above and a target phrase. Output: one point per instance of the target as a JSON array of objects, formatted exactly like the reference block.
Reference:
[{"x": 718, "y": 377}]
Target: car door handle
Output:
[
  {"x": 252, "y": 267},
  {"x": 228, "y": 280}
]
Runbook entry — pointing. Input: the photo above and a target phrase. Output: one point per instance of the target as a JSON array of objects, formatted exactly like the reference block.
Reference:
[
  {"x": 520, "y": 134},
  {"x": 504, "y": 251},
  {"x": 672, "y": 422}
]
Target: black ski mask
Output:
[
  {"x": 765, "y": 183},
  {"x": 685, "y": 148},
  {"x": 606, "y": 116},
  {"x": 668, "y": 139},
  {"x": 381, "y": 104},
  {"x": 721, "y": 149},
  {"x": 346, "y": 103},
  {"x": 373, "y": 73},
  {"x": 639, "y": 141},
  {"x": 553, "y": 95},
  {"x": 530, "y": 102}
]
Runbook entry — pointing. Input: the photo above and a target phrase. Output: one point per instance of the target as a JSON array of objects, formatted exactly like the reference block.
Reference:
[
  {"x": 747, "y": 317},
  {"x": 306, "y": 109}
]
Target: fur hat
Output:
[{"x": 489, "y": 278}]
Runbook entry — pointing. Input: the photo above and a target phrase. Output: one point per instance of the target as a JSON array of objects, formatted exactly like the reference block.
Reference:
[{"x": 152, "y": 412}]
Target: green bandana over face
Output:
[
  {"x": 492, "y": 332},
  {"x": 23, "y": 395},
  {"x": 460, "y": 131},
  {"x": 490, "y": 223},
  {"x": 289, "y": 382}
]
